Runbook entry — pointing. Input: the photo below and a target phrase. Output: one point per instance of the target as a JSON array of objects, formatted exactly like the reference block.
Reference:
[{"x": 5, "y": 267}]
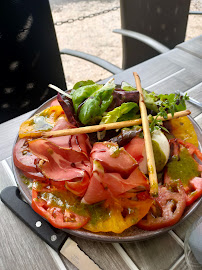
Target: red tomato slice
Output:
[
  {"x": 195, "y": 191},
  {"x": 191, "y": 148},
  {"x": 56, "y": 215},
  {"x": 166, "y": 211},
  {"x": 136, "y": 148},
  {"x": 23, "y": 158}
]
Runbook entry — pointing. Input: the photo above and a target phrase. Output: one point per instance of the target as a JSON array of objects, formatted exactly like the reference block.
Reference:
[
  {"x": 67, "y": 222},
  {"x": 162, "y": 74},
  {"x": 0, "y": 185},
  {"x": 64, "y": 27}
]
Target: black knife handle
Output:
[{"x": 55, "y": 238}]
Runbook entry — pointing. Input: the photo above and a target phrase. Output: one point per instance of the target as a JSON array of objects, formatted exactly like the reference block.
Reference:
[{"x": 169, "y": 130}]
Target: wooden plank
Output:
[
  {"x": 193, "y": 46},
  {"x": 156, "y": 253},
  {"x": 16, "y": 246},
  {"x": 180, "y": 264},
  {"x": 186, "y": 60},
  {"x": 183, "y": 81},
  {"x": 150, "y": 71}
]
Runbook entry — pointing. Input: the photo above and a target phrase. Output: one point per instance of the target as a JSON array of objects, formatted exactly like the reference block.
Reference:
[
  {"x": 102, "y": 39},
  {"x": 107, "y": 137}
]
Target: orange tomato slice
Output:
[
  {"x": 43, "y": 121},
  {"x": 182, "y": 128}
]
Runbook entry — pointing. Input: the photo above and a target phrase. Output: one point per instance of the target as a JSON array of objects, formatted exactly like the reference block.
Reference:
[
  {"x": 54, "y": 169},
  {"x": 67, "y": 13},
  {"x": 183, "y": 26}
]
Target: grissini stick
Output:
[
  {"x": 148, "y": 142},
  {"x": 95, "y": 128}
]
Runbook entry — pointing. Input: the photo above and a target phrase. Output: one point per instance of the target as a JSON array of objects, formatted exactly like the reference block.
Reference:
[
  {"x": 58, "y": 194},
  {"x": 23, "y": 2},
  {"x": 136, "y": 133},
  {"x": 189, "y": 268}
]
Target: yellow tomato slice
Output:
[
  {"x": 44, "y": 120},
  {"x": 116, "y": 222},
  {"x": 182, "y": 128}
]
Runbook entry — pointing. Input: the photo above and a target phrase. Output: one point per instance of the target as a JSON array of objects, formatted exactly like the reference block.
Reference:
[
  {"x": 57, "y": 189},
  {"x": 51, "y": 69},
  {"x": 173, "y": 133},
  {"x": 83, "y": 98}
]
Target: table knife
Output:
[{"x": 57, "y": 239}]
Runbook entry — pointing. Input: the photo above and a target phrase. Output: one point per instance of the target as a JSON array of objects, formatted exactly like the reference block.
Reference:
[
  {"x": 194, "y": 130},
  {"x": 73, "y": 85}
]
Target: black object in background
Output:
[{"x": 29, "y": 56}]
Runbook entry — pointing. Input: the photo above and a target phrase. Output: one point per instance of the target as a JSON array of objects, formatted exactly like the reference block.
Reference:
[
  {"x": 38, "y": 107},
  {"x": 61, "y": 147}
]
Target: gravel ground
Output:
[{"x": 94, "y": 35}]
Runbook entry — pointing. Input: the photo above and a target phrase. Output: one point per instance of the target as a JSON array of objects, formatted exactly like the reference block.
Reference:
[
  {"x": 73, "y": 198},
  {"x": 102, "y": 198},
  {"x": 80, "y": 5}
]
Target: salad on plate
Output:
[{"x": 99, "y": 181}]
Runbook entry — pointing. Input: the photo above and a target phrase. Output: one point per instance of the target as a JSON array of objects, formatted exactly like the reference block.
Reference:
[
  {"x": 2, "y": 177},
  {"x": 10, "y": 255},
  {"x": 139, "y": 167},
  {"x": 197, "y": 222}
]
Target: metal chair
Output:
[{"x": 154, "y": 25}]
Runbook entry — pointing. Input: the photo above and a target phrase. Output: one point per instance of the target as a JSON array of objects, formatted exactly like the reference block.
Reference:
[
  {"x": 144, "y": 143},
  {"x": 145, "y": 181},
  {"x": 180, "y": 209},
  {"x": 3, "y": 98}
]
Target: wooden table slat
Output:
[
  {"x": 193, "y": 46},
  {"x": 183, "y": 59},
  {"x": 152, "y": 254}
]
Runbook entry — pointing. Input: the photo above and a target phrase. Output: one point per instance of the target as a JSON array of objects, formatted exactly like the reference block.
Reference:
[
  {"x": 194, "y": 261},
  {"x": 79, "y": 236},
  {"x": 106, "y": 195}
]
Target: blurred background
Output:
[{"x": 94, "y": 35}]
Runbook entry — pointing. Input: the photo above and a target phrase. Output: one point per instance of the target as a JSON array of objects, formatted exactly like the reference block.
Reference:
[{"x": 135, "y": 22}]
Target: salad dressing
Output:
[
  {"x": 184, "y": 169},
  {"x": 67, "y": 200}
]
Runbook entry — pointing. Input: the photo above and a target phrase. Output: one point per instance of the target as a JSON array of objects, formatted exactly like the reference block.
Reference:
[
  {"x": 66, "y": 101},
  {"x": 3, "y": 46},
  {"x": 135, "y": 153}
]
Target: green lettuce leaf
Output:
[
  {"x": 82, "y": 93},
  {"x": 118, "y": 113},
  {"x": 127, "y": 87},
  {"x": 82, "y": 83},
  {"x": 97, "y": 103}
]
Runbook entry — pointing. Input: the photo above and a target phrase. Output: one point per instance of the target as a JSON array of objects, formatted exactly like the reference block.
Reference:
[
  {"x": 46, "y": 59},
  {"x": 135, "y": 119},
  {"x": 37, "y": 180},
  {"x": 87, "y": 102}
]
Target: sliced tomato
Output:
[
  {"x": 188, "y": 172},
  {"x": 166, "y": 210},
  {"x": 195, "y": 191},
  {"x": 58, "y": 216},
  {"x": 182, "y": 128},
  {"x": 23, "y": 158},
  {"x": 123, "y": 213},
  {"x": 191, "y": 148},
  {"x": 45, "y": 120}
]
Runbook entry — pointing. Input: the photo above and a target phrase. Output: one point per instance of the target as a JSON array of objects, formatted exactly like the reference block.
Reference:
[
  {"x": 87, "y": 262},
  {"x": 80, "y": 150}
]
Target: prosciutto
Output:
[
  {"x": 113, "y": 158},
  {"x": 78, "y": 143},
  {"x": 62, "y": 164},
  {"x": 107, "y": 179}
]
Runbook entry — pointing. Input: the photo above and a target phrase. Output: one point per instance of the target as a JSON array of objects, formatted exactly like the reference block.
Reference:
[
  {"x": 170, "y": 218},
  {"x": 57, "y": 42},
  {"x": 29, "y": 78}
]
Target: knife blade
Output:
[{"x": 57, "y": 239}]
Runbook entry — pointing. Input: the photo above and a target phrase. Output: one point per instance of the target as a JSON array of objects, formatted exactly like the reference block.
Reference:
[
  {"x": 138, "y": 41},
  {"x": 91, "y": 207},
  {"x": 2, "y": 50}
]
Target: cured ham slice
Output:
[
  {"x": 78, "y": 143},
  {"x": 61, "y": 124},
  {"x": 105, "y": 185},
  {"x": 107, "y": 179},
  {"x": 62, "y": 164},
  {"x": 96, "y": 191},
  {"x": 54, "y": 103},
  {"x": 78, "y": 187},
  {"x": 113, "y": 158}
]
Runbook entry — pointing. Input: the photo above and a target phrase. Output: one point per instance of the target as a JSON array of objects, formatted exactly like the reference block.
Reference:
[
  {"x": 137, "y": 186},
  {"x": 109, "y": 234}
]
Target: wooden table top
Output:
[{"x": 179, "y": 69}]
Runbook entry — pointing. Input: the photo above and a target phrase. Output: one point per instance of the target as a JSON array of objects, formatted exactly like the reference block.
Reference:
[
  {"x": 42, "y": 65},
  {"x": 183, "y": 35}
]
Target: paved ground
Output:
[{"x": 94, "y": 35}]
